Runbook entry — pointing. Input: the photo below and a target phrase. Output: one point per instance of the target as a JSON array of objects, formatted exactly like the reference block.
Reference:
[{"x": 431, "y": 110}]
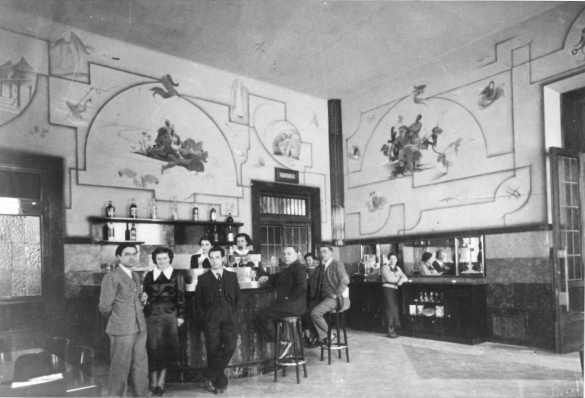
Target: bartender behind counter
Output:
[
  {"x": 242, "y": 243},
  {"x": 201, "y": 258}
]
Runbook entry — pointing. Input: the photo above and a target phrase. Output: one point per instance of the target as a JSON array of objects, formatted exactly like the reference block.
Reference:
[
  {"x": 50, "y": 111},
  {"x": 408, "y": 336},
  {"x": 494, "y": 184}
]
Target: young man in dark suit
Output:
[
  {"x": 121, "y": 304},
  {"x": 291, "y": 297},
  {"x": 216, "y": 299}
]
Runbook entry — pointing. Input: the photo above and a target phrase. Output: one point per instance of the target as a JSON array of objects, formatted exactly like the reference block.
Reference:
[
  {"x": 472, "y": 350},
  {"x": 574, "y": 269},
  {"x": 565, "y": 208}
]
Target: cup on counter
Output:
[
  {"x": 419, "y": 309},
  {"x": 412, "y": 309}
]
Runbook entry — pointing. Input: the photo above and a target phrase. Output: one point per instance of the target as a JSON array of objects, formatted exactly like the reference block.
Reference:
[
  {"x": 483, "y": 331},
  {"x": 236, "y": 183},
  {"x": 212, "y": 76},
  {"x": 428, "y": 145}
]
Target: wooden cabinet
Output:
[
  {"x": 447, "y": 312},
  {"x": 439, "y": 310}
]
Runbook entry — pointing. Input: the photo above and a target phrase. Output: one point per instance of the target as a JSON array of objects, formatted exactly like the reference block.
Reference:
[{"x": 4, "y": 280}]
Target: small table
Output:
[{"x": 72, "y": 383}]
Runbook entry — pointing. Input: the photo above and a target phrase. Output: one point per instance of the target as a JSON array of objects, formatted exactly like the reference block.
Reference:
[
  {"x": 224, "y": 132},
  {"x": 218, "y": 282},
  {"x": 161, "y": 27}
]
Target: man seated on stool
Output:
[
  {"x": 201, "y": 259},
  {"x": 291, "y": 300},
  {"x": 311, "y": 335},
  {"x": 333, "y": 281}
]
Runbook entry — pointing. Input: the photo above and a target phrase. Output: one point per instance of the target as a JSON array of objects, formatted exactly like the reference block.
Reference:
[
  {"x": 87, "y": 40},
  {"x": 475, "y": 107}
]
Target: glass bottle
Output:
[
  {"x": 212, "y": 214},
  {"x": 111, "y": 234},
  {"x": 175, "y": 209},
  {"x": 195, "y": 213},
  {"x": 215, "y": 235},
  {"x": 133, "y": 209},
  {"x": 110, "y": 210},
  {"x": 127, "y": 233},
  {"x": 154, "y": 209},
  {"x": 230, "y": 219},
  {"x": 230, "y": 236},
  {"x": 133, "y": 232},
  {"x": 106, "y": 232}
]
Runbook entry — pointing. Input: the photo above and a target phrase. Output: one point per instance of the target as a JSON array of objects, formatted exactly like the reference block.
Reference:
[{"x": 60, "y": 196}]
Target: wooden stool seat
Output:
[{"x": 295, "y": 331}]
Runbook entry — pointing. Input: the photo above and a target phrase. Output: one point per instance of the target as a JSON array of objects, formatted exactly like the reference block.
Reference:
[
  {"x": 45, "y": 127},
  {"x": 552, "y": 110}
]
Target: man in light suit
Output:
[
  {"x": 216, "y": 298},
  {"x": 332, "y": 282},
  {"x": 120, "y": 303}
]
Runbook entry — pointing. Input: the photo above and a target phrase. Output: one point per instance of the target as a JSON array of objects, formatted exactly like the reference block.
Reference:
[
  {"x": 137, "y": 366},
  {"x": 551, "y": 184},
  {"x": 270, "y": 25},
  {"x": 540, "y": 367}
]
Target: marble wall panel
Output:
[
  {"x": 82, "y": 257},
  {"x": 518, "y": 269},
  {"x": 533, "y": 296},
  {"x": 500, "y": 295},
  {"x": 518, "y": 245},
  {"x": 509, "y": 326},
  {"x": 73, "y": 281}
]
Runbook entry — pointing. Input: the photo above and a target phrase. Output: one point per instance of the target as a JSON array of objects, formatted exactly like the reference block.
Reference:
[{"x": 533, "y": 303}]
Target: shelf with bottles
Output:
[
  {"x": 97, "y": 219},
  {"x": 119, "y": 242}
]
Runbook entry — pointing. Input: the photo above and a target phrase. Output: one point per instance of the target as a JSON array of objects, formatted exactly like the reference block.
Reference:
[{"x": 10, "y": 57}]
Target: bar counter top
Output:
[{"x": 436, "y": 280}]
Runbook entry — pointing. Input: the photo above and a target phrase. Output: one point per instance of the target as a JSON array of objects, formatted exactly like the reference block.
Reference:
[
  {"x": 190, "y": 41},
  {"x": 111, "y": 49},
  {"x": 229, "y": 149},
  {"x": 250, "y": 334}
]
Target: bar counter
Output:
[
  {"x": 433, "y": 307},
  {"x": 252, "y": 356}
]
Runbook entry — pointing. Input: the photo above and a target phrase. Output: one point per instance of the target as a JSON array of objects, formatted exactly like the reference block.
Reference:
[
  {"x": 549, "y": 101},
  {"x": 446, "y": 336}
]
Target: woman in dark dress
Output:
[{"x": 164, "y": 312}]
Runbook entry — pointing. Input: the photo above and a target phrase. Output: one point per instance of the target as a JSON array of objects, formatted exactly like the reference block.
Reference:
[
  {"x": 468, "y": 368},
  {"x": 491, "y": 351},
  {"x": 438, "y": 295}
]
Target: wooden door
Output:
[
  {"x": 568, "y": 197},
  {"x": 284, "y": 215},
  {"x": 31, "y": 248}
]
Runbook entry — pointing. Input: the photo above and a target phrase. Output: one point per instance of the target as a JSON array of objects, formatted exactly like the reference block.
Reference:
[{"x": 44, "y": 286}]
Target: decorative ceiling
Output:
[{"x": 328, "y": 49}]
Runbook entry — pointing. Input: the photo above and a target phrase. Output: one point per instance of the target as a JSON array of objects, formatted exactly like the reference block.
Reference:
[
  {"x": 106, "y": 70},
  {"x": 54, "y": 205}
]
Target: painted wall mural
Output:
[
  {"x": 180, "y": 136},
  {"x": 468, "y": 155}
]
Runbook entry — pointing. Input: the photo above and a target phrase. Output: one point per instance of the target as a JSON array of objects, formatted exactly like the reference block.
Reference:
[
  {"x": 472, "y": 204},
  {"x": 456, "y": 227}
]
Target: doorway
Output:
[
  {"x": 31, "y": 226},
  {"x": 285, "y": 215}
]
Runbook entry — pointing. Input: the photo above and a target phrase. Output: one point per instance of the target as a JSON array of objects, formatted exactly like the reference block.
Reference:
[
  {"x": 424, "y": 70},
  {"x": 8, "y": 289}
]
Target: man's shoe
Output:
[
  {"x": 312, "y": 343},
  {"x": 209, "y": 385},
  {"x": 285, "y": 348},
  {"x": 220, "y": 390},
  {"x": 392, "y": 335},
  {"x": 324, "y": 342}
]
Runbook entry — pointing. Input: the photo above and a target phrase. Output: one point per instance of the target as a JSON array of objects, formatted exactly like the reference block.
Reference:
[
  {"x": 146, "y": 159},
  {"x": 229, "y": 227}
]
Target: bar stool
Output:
[
  {"x": 295, "y": 331},
  {"x": 339, "y": 319}
]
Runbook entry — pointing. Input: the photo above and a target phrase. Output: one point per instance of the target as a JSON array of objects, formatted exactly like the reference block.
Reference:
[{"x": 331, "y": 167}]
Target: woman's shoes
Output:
[
  {"x": 158, "y": 391},
  {"x": 391, "y": 333}
]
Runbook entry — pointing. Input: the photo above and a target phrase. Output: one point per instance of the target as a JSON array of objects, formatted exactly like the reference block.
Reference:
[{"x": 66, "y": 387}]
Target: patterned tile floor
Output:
[{"x": 408, "y": 367}]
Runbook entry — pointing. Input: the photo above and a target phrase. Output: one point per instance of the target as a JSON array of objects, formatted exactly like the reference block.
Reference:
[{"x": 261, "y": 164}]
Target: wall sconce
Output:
[
  {"x": 562, "y": 253},
  {"x": 338, "y": 224}
]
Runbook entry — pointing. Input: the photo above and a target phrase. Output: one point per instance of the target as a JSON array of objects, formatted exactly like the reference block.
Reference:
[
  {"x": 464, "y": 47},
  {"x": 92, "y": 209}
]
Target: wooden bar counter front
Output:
[{"x": 253, "y": 355}]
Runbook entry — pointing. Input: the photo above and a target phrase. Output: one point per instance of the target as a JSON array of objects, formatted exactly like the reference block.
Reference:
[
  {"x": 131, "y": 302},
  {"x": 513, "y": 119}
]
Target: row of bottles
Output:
[
  {"x": 109, "y": 232},
  {"x": 429, "y": 297},
  {"x": 111, "y": 211}
]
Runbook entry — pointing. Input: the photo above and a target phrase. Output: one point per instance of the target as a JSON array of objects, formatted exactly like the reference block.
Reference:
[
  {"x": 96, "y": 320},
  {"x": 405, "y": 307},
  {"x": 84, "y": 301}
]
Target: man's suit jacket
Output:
[
  {"x": 291, "y": 288},
  {"x": 205, "y": 290},
  {"x": 195, "y": 262},
  {"x": 120, "y": 303},
  {"x": 438, "y": 267},
  {"x": 338, "y": 278}
]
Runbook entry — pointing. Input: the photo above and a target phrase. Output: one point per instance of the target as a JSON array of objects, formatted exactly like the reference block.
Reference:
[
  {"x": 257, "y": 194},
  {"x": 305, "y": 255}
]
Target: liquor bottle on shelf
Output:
[
  {"x": 195, "y": 213},
  {"x": 133, "y": 209},
  {"x": 110, "y": 210},
  {"x": 230, "y": 219},
  {"x": 127, "y": 233},
  {"x": 175, "y": 209},
  {"x": 133, "y": 232},
  {"x": 421, "y": 297},
  {"x": 432, "y": 298},
  {"x": 215, "y": 234},
  {"x": 230, "y": 235},
  {"x": 426, "y": 297},
  {"x": 212, "y": 214},
  {"x": 154, "y": 209},
  {"x": 111, "y": 231},
  {"x": 105, "y": 232}
]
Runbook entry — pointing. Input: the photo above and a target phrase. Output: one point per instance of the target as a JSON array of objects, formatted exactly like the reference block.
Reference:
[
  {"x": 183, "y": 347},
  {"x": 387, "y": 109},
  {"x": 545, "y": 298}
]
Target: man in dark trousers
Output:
[
  {"x": 216, "y": 299},
  {"x": 291, "y": 297},
  {"x": 120, "y": 303}
]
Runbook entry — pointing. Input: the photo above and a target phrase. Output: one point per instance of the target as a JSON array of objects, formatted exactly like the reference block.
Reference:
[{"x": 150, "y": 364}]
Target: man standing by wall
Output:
[
  {"x": 291, "y": 297},
  {"x": 333, "y": 281},
  {"x": 120, "y": 303},
  {"x": 216, "y": 298}
]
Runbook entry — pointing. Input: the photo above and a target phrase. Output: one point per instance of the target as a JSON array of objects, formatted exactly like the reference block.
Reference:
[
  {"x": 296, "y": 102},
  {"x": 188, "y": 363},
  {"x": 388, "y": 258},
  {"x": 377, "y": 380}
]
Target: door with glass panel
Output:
[
  {"x": 31, "y": 248},
  {"x": 284, "y": 215},
  {"x": 568, "y": 196}
]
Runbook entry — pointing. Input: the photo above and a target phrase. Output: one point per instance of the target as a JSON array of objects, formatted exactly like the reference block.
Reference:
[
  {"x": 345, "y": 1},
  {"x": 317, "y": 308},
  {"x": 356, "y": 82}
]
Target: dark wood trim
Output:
[
  {"x": 451, "y": 234},
  {"x": 260, "y": 187},
  {"x": 78, "y": 240}
]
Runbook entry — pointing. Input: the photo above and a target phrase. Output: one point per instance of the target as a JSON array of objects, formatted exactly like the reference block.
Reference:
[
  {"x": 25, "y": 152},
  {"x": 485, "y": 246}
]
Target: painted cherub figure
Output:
[{"x": 193, "y": 157}]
